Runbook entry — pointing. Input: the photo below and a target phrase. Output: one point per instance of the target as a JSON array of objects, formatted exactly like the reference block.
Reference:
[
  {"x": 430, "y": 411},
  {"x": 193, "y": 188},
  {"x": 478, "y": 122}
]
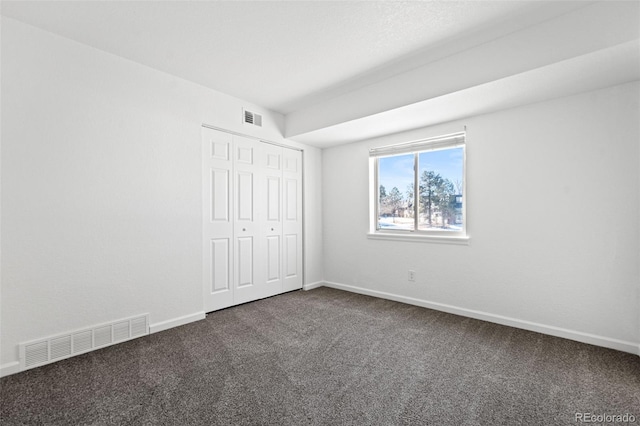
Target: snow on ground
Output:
[{"x": 406, "y": 223}]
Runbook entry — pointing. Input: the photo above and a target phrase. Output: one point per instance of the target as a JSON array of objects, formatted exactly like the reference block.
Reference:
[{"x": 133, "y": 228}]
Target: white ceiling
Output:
[
  {"x": 282, "y": 55},
  {"x": 617, "y": 65}
]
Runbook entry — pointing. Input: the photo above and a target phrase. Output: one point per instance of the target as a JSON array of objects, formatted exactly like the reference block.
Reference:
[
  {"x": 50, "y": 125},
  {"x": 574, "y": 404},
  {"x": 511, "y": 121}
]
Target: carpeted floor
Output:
[{"x": 328, "y": 357}]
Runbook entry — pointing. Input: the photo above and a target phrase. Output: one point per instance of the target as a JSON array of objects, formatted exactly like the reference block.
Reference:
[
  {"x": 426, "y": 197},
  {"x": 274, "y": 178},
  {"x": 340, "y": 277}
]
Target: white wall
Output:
[
  {"x": 553, "y": 207},
  {"x": 101, "y": 190},
  {"x": 313, "y": 247}
]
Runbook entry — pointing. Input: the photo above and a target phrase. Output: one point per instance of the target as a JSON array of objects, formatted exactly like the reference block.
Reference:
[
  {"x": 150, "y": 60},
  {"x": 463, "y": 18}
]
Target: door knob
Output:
[{"x": 244, "y": 229}]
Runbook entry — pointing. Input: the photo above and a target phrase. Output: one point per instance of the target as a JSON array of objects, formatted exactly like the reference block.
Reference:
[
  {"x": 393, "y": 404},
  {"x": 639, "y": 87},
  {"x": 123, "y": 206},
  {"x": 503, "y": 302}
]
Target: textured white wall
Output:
[
  {"x": 553, "y": 193},
  {"x": 101, "y": 197}
]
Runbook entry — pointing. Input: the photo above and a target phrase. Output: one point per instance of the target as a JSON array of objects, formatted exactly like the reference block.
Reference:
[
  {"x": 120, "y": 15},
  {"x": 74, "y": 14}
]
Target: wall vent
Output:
[
  {"x": 54, "y": 348},
  {"x": 252, "y": 118}
]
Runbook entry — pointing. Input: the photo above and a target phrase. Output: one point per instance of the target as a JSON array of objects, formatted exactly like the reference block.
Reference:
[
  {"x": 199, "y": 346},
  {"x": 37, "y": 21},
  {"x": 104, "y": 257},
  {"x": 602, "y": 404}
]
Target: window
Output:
[{"x": 436, "y": 210}]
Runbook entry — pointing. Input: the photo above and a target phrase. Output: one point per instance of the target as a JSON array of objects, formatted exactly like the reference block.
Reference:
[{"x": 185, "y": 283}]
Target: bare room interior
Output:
[{"x": 320, "y": 212}]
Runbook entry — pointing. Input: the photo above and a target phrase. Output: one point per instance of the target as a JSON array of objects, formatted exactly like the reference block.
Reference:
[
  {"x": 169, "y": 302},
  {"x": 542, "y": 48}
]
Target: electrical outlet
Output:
[{"x": 412, "y": 275}]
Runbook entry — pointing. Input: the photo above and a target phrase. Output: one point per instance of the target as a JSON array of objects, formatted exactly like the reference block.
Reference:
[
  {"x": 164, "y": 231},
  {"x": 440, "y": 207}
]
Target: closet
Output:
[{"x": 252, "y": 219}]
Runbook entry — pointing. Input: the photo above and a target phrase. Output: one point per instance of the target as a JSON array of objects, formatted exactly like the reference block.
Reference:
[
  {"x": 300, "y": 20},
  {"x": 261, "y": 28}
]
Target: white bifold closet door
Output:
[{"x": 252, "y": 219}]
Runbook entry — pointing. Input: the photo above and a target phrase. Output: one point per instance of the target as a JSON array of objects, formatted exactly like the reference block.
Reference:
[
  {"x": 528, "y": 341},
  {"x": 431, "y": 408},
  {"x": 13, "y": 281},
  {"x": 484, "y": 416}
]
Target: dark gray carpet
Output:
[{"x": 327, "y": 357}]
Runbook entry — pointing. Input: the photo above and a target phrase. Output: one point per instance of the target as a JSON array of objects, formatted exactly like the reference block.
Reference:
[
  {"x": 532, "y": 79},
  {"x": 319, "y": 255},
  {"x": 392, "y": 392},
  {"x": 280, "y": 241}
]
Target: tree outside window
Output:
[{"x": 438, "y": 171}]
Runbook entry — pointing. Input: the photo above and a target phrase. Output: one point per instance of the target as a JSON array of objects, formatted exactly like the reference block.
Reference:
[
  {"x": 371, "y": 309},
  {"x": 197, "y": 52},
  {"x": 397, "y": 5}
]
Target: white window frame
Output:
[{"x": 424, "y": 145}]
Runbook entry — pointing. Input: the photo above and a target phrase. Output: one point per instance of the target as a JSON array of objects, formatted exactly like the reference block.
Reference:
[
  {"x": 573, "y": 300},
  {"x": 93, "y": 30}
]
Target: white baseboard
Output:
[
  {"x": 176, "y": 322},
  {"x": 313, "y": 285},
  {"x": 591, "y": 339},
  {"x": 9, "y": 368}
]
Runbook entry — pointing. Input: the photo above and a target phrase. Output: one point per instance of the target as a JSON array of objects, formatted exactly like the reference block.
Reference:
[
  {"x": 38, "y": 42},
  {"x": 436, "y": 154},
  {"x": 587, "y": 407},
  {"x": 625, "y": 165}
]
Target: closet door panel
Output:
[
  {"x": 291, "y": 256},
  {"x": 271, "y": 224},
  {"x": 292, "y": 219},
  {"x": 220, "y": 262},
  {"x": 274, "y": 200},
  {"x": 217, "y": 223},
  {"x": 245, "y": 261},
  {"x": 247, "y": 240},
  {"x": 273, "y": 258},
  {"x": 252, "y": 219},
  {"x": 245, "y": 196}
]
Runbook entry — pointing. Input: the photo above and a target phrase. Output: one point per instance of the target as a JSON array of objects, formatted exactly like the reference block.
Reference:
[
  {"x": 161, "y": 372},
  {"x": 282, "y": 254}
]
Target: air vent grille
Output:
[
  {"x": 55, "y": 348},
  {"x": 60, "y": 347},
  {"x": 248, "y": 117},
  {"x": 102, "y": 336},
  {"x": 252, "y": 118},
  {"x": 121, "y": 331},
  {"x": 82, "y": 342},
  {"x": 139, "y": 326},
  {"x": 37, "y": 353}
]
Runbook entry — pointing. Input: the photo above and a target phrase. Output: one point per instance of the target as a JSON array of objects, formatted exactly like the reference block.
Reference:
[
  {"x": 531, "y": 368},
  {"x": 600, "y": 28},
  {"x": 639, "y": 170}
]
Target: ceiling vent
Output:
[{"x": 252, "y": 118}]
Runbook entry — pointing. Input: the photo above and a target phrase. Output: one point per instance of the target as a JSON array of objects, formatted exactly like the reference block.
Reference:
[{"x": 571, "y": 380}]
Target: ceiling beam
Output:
[{"x": 518, "y": 57}]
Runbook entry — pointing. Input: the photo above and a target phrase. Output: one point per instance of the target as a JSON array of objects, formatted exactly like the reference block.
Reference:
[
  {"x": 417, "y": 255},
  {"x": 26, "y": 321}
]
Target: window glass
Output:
[
  {"x": 440, "y": 179},
  {"x": 437, "y": 206},
  {"x": 395, "y": 192}
]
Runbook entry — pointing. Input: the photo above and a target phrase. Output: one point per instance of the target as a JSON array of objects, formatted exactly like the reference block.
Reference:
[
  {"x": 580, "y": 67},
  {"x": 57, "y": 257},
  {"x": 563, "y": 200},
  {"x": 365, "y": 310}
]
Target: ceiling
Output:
[
  {"x": 281, "y": 55},
  {"x": 339, "y": 70}
]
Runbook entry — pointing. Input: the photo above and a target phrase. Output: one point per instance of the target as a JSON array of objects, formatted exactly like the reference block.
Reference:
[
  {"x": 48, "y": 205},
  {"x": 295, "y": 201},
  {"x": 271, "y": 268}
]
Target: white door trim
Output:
[{"x": 208, "y": 126}]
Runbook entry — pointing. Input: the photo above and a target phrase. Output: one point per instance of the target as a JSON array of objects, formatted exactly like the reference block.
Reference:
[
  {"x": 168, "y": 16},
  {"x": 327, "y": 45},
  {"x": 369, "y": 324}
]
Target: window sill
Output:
[{"x": 420, "y": 238}]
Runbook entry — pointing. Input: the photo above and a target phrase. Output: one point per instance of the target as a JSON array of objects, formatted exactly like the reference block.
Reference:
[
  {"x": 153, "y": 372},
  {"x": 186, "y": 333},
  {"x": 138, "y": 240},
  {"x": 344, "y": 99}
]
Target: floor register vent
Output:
[{"x": 55, "y": 348}]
